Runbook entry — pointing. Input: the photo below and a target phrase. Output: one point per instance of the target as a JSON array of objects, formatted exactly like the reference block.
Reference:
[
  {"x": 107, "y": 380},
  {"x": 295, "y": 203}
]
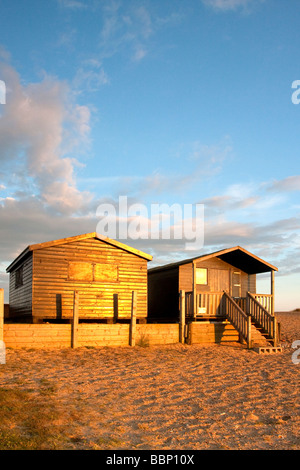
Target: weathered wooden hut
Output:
[
  {"x": 204, "y": 280},
  {"x": 44, "y": 276}
]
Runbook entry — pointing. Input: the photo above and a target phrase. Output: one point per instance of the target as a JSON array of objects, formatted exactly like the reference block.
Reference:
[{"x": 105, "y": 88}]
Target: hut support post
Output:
[
  {"x": 272, "y": 292},
  {"x": 75, "y": 320},
  {"x": 116, "y": 308},
  {"x": 1, "y": 313},
  {"x": 195, "y": 308},
  {"x": 132, "y": 330},
  {"x": 182, "y": 317}
]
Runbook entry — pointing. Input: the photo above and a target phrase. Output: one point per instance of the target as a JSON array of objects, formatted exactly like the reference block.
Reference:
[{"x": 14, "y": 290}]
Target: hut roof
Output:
[
  {"x": 85, "y": 236},
  {"x": 236, "y": 256}
]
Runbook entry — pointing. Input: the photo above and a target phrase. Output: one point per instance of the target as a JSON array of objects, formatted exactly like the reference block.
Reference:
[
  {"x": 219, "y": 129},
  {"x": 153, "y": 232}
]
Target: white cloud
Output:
[
  {"x": 291, "y": 183},
  {"x": 139, "y": 54},
  {"x": 89, "y": 77},
  {"x": 227, "y": 5},
  {"x": 72, "y": 4},
  {"x": 200, "y": 162},
  {"x": 125, "y": 30},
  {"x": 40, "y": 129}
]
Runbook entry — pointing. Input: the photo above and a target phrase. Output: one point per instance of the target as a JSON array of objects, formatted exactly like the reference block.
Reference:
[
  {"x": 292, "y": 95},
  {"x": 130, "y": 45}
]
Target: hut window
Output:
[
  {"x": 105, "y": 272},
  {"x": 79, "y": 271},
  {"x": 89, "y": 272},
  {"x": 201, "y": 276},
  {"x": 19, "y": 277}
]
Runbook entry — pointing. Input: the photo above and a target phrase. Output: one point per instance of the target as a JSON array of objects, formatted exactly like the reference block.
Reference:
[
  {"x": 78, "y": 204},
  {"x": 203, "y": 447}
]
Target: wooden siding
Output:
[
  {"x": 17, "y": 335},
  {"x": 220, "y": 277},
  {"x": 165, "y": 285},
  {"x": 57, "y": 274},
  {"x": 185, "y": 277},
  {"x": 20, "y": 298},
  {"x": 211, "y": 332}
]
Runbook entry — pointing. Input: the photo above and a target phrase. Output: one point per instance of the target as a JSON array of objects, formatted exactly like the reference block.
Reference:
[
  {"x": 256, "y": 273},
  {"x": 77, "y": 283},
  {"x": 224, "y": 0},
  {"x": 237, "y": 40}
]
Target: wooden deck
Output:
[
  {"x": 251, "y": 316},
  {"x": 212, "y": 304}
]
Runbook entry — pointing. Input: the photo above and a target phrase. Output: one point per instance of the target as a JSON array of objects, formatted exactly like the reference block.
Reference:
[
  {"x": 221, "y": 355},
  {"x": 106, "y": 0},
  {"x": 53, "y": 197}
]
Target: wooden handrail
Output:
[
  {"x": 261, "y": 295},
  {"x": 240, "y": 320},
  {"x": 265, "y": 300},
  {"x": 264, "y": 318}
]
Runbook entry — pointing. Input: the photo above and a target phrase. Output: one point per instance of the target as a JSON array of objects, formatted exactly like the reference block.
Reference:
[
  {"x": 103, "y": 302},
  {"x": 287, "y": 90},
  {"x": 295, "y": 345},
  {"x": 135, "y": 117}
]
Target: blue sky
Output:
[{"x": 162, "y": 101}]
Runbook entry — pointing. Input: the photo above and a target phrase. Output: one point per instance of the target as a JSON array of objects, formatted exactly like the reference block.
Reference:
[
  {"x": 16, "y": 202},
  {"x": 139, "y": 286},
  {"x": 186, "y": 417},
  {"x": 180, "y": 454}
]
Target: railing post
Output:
[
  {"x": 74, "y": 333},
  {"x": 182, "y": 317},
  {"x": 248, "y": 304},
  {"x": 272, "y": 293},
  {"x": 194, "y": 291},
  {"x": 275, "y": 332},
  {"x": 197, "y": 305},
  {"x": 249, "y": 340},
  {"x": 132, "y": 329}
]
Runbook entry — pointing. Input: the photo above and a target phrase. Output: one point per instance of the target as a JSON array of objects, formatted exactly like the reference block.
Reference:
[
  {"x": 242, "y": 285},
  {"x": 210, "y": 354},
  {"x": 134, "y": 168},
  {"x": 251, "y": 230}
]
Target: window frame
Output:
[
  {"x": 95, "y": 278},
  {"x": 206, "y": 276},
  {"x": 19, "y": 277}
]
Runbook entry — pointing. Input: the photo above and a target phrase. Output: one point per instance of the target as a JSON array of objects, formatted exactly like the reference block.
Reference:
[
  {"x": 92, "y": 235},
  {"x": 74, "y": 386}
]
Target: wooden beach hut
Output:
[
  {"x": 215, "y": 287},
  {"x": 104, "y": 272}
]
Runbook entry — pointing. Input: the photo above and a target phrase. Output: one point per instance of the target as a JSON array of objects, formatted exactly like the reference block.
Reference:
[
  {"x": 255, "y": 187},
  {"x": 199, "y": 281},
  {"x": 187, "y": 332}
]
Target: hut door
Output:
[
  {"x": 219, "y": 280},
  {"x": 236, "y": 284}
]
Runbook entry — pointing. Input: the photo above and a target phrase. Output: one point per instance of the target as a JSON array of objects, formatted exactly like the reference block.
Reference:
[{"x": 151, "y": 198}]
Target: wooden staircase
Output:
[
  {"x": 257, "y": 327},
  {"x": 261, "y": 341},
  {"x": 258, "y": 338}
]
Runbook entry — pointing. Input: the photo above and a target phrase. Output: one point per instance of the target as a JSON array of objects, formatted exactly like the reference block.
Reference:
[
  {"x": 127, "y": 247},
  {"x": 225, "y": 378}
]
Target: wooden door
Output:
[{"x": 219, "y": 280}]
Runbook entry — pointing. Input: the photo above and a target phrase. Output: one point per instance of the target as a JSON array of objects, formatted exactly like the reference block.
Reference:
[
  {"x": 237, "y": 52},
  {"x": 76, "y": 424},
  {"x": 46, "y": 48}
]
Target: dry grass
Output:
[{"x": 167, "y": 397}]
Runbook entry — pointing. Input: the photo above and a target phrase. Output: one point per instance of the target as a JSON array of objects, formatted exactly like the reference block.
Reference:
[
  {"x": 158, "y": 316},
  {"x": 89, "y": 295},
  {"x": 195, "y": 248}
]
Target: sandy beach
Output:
[{"x": 160, "y": 397}]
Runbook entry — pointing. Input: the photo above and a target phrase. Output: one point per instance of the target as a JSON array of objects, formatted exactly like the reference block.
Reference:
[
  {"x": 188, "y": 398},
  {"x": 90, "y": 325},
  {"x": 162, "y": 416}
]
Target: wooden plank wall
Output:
[
  {"x": 219, "y": 277},
  {"x": 185, "y": 277},
  {"x": 19, "y": 335},
  {"x": 54, "y": 280},
  {"x": 28, "y": 335},
  {"x": 20, "y": 298},
  {"x": 206, "y": 332}
]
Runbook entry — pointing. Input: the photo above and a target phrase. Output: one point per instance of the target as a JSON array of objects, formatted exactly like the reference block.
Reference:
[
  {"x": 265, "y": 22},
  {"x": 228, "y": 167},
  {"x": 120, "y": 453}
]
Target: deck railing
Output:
[
  {"x": 240, "y": 320},
  {"x": 238, "y": 310},
  {"x": 265, "y": 300},
  {"x": 210, "y": 303},
  {"x": 207, "y": 304},
  {"x": 262, "y": 317}
]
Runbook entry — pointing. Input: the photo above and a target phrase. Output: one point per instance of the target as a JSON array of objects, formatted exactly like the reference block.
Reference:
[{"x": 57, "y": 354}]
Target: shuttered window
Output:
[
  {"x": 79, "y": 271},
  {"x": 89, "y": 272},
  {"x": 105, "y": 272}
]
